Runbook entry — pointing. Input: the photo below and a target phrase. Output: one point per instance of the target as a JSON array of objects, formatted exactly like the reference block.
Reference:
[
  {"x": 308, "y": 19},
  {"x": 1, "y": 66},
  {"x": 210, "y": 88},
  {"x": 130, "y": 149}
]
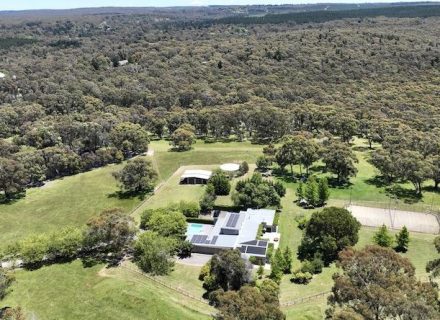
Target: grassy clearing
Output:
[
  {"x": 68, "y": 201},
  {"x": 70, "y": 291},
  {"x": 203, "y": 154},
  {"x": 421, "y": 250}
]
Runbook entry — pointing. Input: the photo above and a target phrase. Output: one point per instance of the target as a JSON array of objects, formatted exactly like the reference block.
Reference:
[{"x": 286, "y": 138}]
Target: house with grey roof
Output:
[{"x": 232, "y": 230}]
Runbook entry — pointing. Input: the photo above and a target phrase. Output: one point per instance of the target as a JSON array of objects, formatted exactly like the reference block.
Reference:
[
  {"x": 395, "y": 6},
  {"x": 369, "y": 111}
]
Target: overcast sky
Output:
[{"x": 63, "y": 4}]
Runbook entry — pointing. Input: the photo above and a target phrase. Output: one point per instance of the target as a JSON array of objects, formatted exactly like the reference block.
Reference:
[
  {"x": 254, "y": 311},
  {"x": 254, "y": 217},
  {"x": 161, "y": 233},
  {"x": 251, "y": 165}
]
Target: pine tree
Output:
[
  {"x": 383, "y": 238},
  {"x": 323, "y": 191},
  {"x": 311, "y": 192},
  {"x": 287, "y": 260},
  {"x": 278, "y": 266},
  {"x": 300, "y": 191},
  {"x": 402, "y": 240}
]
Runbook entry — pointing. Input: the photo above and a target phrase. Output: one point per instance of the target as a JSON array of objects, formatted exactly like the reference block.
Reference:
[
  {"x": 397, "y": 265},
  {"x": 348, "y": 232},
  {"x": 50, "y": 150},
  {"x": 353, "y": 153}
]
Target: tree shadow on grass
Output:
[
  {"x": 378, "y": 181},
  {"x": 12, "y": 199},
  {"x": 407, "y": 195},
  {"x": 431, "y": 189},
  {"x": 123, "y": 195},
  {"x": 335, "y": 184}
]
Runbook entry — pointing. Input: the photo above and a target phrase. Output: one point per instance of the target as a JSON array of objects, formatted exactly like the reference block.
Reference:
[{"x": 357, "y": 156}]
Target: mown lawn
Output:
[
  {"x": 203, "y": 154},
  {"x": 70, "y": 291}
]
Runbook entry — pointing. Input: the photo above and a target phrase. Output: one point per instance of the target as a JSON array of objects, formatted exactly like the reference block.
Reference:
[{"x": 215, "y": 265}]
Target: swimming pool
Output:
[{"x": 194, "y": 228}]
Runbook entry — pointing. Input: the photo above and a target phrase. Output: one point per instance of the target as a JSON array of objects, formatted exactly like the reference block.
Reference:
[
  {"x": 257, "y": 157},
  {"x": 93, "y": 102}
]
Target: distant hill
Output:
[{"x": 211, "y": 12}]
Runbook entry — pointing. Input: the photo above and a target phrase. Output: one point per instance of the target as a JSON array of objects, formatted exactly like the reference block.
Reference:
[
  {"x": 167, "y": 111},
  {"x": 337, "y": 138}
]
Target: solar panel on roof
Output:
[
  {"x": 256, "y": 250},
  {"x": 230, "y": 223},
  {"x": 262, "y": 243},
  {"x": 214, "y": 239}
]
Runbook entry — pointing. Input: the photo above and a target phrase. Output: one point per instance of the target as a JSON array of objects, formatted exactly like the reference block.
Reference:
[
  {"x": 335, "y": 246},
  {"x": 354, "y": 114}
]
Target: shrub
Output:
[
  {"x": 221, "y": 183},
  {"x": 185, "y": 249},
  {"x": 263, "y": 163},
  {"x": 280, "y": 188},
  {"x": 190, "y": 209},
  {"x": 244, "y": 168},
  {"x": 301, "y": 277},
  {"x": 205, "y": 271}
]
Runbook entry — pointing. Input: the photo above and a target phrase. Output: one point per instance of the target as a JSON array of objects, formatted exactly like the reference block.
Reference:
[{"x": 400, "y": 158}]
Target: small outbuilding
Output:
[
  {"x": 230, "y": 167},
  {"x": 195, "y": 177}
]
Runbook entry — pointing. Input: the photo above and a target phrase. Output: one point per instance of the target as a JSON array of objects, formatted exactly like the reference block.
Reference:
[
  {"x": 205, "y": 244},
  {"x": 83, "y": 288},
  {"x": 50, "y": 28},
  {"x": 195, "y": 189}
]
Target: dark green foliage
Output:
[
  {"x": 12, "y": 178},
  {"x": 327, "y": 233},
  {"x": 208, "y": 199},
  {"x": 255, "y": 193},
  {"x": 153, "y": 253},
  {"x": 190, "y": 209},
  {"x": 183, "y": 137},
  {"x": 227, "y": 271},
  {"x": 340, "y": 160},
  {"x": 328, "y": 15},
  {"x": 138, "y": 176},
  {"x": 323, "y": 191},
  {"x": 6, "y": 43},
  {"x": 313, "y": 266},
  {"x": 301, "y": 277},
  {"x": 280, "y": 188},
  {"x": 311, "y": 193},
  {"x": 433, "y": 266},
  {"x": 402, "y": 240},
  {"x": 383, "y": 238},
  {"x": 263, "y": 163},
  {"x": 221, "y": 183},
  {"x": 184, "y": 249},
  {"x": 244, "y": 168}
]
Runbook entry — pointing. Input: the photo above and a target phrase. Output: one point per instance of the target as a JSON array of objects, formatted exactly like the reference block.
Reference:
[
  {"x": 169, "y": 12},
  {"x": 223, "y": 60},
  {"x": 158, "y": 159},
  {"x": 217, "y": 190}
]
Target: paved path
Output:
[
  {"x": 196, "y": 259},
  {"x": 396, "y": 219}
]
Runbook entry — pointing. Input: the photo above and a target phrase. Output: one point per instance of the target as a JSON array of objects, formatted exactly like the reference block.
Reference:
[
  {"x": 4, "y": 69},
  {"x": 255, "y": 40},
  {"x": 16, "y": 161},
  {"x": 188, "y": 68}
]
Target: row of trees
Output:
[
  {"x": 303, "y": 150},
  {"x": 110, "y": 232}
]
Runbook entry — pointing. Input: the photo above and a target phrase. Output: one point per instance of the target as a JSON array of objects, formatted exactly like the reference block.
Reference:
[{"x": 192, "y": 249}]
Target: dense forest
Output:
[{"x": 90, "y": 90}]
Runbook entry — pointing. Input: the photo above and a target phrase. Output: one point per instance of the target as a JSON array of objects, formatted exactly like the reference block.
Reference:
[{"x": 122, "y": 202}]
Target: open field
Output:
[
  {"x": 63, "y": 202},
  {"x": 70, "y": 291},
  {"x": 73, "y": 200}
]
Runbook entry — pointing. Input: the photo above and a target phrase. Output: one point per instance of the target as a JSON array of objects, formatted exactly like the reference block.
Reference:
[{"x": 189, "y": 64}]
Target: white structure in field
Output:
[
  {"x": 230, "y": 167},
  {"x": 195, "y": 177}
]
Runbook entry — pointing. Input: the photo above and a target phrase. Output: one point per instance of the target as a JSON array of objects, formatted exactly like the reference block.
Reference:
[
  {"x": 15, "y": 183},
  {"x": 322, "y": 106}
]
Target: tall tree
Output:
[
  {"x": 383, "y": 238},
  {"x": 377, "y": 283},
  {"x": 111, "y": 231},
  {"x": 227, "y": 271},
  {"x": 137, "y": 176},
  {"x": 154, "y": 253},
  {"x": 130, "y": 138},
  {"x": 327, "y": 233},
  {"x": 12, "y": 178},
  {"x": 402, "y": 240},
  {"x": 340, "y": 159}
]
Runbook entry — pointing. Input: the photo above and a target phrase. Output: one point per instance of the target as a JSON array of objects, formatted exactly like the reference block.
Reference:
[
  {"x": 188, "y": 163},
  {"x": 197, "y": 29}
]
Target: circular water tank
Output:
[{"x": 230, "y": 167}]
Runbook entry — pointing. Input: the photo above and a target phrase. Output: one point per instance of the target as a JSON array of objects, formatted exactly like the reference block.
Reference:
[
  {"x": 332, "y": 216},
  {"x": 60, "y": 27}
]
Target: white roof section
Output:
[
  {"x": 230, "y": 167},
  {"x": 247, "y": 226},
  {"x": 200, "y": 174}
]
